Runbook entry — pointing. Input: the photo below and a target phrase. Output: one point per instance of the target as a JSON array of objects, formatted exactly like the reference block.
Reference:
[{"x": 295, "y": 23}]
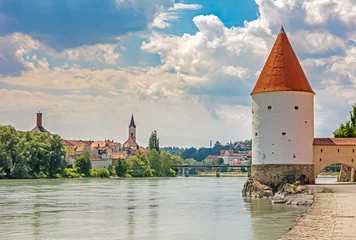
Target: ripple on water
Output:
[{"x": 169, "y": 208}]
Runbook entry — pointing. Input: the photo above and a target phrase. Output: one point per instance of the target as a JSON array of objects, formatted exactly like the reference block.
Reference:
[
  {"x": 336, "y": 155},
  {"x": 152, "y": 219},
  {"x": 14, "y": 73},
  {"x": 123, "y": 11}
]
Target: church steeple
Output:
[
  {"x": 132, "y": 128},
  {"x": 132, "y": 123}
]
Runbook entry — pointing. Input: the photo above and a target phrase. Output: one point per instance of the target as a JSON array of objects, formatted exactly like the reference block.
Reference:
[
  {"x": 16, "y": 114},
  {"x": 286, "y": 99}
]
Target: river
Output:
[{"x": 153, "y": 209}]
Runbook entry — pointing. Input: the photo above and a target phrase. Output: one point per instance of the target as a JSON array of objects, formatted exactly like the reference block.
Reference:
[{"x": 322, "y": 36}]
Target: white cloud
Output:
[
  {"x": 165, "y": 17},
  {"x": 321, "y": 11},
  {"x": 183, "y": 6}
]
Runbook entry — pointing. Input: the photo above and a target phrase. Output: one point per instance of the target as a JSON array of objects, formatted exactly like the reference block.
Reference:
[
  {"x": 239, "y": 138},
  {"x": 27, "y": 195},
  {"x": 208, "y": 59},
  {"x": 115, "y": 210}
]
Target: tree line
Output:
[
  {"x": 201, "y": 153},
  {"x": 42, "y": 155},
  {"x": 30, "y": 155}
]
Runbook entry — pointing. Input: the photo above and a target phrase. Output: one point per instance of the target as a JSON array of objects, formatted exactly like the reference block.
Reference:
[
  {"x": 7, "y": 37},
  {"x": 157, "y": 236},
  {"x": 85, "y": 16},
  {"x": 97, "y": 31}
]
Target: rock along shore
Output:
[{"x": 290, "y": 194}]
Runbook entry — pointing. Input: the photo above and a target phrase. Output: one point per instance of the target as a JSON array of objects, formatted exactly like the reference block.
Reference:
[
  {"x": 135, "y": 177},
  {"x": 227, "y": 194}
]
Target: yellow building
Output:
[{"x": 69, "y": 148}]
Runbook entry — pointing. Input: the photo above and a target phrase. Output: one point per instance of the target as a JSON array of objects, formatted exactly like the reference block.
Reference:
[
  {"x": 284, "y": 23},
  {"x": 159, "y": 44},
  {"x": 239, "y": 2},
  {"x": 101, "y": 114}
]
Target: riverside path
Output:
[{"x": 332, "y": 216}]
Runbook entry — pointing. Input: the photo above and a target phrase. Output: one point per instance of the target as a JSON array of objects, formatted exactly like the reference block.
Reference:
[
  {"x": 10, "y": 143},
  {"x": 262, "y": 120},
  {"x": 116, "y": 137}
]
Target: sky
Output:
[{"x": 183, "y": 68}]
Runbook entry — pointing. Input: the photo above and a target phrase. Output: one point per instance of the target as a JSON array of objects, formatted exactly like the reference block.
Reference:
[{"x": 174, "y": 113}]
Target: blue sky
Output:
[{"x": 183, "y": 68}]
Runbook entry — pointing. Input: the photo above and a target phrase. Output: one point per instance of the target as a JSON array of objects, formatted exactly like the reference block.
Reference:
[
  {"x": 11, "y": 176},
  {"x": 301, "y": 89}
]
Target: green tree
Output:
[
  {"x": 121, "y": 168},
  {"x": 153, "y": 142},
  {"x": 56, "y": 155},
  {"x": 8, "y": 148},
  {"x": 137, "y": 167},
  {"x": 83, "y": 163},
  {"x": 156, "y": 163}
]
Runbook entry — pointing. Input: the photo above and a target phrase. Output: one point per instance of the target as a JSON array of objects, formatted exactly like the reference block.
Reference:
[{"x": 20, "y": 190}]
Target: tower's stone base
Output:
[{"x": 275, "y": 175}]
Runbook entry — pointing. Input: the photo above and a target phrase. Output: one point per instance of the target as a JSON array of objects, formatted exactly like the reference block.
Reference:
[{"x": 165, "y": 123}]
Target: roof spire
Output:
[
  {"x": 282, "y": 30},
  {"x": 132, "y": 122},
  {"x": 282, "y": 70}
]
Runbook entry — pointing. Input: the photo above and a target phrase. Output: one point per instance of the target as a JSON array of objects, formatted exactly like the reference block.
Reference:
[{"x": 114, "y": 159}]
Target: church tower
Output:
[
  {"x": 132, "y": 128},
  {"x": 282, "y": 119}
]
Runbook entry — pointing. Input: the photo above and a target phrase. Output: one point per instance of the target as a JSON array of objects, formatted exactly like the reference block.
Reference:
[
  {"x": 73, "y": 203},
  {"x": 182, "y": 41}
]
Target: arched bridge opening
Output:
[{"x": 329, "y": 152}]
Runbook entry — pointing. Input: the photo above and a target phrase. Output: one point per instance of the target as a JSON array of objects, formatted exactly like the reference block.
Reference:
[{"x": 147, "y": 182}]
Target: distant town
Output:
[{"x": 104, "y": 153}]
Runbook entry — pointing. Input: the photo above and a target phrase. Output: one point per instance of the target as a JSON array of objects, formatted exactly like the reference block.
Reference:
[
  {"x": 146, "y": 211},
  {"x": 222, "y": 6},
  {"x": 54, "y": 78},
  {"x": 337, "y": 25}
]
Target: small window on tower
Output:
[
  {"x": 131, "y": 134},
  {"x": 296, "y": 107},
  {"x": 269, "y": 107},
  {"x": 283, "y": 133},
  {"x": 353, "y": 150},
  {"x": 338, "y": 150},
  {"x": 321, "y": 150},
  {"x": 255, "y": 134},
  {"x": 293, "y": 155}
]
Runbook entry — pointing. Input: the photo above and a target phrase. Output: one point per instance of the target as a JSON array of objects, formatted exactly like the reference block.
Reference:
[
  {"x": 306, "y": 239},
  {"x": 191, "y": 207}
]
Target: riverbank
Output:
[
  {"x": 223, "y": 174},
  {"x": 332, "y": 216}
]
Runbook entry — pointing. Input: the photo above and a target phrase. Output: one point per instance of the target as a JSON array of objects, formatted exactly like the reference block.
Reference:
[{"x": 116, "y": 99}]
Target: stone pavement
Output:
[{"x": 332, "y": 216}]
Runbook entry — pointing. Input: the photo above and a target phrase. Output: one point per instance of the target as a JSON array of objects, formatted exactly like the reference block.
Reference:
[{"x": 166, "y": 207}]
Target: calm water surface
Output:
[{"x": 157, "y": 209}]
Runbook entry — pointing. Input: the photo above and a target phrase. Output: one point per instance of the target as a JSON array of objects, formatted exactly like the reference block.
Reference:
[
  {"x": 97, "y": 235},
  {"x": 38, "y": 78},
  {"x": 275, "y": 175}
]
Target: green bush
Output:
[
  {"x": 71, "y": 173},
  {"x": 100, "y": 172},
  {"x": 93, "y": 173},
  {"x": 103, "y": 173}
]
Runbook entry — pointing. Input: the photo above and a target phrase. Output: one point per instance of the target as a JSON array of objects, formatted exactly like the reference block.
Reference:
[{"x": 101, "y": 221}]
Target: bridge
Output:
[{"x": 184, "y": 168}]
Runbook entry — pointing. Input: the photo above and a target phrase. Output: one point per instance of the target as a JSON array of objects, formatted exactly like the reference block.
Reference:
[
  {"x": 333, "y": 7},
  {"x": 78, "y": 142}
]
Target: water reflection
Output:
[
  {"x": 173, "y": 208},
  {"x": 131, "y": 198},
  {"x": 266, "y": 216}
]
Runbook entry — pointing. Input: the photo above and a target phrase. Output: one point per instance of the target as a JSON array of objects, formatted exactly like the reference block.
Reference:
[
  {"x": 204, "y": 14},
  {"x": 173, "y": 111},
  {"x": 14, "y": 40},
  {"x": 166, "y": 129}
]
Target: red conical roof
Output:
[{"x": 282, "y": 71}]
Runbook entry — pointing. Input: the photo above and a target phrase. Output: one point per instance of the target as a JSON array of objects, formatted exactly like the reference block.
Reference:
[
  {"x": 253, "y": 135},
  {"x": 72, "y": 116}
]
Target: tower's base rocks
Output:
[
  {"x": 275, "y": 175},
  {"x": 281, "y": 183},
  {"x": 291, "y": 194}
]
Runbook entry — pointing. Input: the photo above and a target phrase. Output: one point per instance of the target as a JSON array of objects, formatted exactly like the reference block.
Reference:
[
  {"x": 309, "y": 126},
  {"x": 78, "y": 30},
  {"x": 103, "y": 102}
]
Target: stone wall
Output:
[
  {"x": 275, "y": 175},
  {"x": 347, "y": 174}
]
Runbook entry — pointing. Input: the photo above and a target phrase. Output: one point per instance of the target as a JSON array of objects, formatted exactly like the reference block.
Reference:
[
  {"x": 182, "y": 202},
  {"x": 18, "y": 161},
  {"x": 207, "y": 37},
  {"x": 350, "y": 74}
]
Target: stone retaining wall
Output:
[{"x": 275, "y": 175}]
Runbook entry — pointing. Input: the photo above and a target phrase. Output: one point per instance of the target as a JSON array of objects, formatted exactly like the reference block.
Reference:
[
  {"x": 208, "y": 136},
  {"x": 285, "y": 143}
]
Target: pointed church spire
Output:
[
  {"x": 282, "y": 70},
  {"x": 132, "y": 123}
]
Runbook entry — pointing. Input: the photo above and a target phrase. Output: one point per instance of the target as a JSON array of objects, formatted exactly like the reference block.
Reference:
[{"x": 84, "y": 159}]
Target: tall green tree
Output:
[
  {"x": 156, "y": 162},
  {"x": 83, "y": 163},
  {"x": 8, "y": 149},
  {"x": 153, "y": 142},
  {"x": 120, "y": 168},
  {"x": 56, "y": 155}
]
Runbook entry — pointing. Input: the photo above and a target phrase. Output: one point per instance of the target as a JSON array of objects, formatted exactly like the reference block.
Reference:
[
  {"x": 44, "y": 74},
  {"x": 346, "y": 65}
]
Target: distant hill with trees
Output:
[{"x": 201, "y": 153}]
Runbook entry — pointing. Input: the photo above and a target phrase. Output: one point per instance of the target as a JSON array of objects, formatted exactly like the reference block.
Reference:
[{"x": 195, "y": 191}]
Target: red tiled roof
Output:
[
  {"x": 335, "y": 141},
  {"x": 144, "y": 150},
  {"x": 282, "y": 71},
  {"x": 67, "y": 143},
  {"x": 130, "y": 143},
  {"x": 96, "y": 144},
  {"x": 119, "y": 155}
]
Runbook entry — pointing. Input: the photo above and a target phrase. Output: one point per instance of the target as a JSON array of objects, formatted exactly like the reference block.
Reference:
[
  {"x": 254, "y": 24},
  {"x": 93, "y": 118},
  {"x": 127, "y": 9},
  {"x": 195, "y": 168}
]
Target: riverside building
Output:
[{"x": 284, "y": 147}]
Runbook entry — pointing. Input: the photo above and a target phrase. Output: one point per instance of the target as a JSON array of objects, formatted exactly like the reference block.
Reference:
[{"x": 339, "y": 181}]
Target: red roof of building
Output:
[
  {"x": 130, "y": 143},
  {"x": 335, "y": 141},
  {"x": 119, "y": 155},
  {"x": 282, "y": 70}
]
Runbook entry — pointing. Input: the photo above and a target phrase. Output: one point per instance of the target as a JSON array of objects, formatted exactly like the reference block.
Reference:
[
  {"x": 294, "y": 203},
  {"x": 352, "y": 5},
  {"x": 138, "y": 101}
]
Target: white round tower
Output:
[{"x": 282, "y": 119}]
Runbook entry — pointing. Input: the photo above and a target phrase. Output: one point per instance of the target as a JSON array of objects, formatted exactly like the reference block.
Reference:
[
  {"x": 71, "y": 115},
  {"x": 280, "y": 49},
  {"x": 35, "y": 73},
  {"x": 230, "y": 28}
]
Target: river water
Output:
[{"x": 171, "y": 208}]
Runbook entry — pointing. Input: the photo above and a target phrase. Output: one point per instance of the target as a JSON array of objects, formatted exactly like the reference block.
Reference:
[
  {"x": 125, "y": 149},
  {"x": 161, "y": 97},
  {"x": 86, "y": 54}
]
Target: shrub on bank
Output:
[
  {"x": 71, "y": 173},
  {"x": 100, "y": 172}
]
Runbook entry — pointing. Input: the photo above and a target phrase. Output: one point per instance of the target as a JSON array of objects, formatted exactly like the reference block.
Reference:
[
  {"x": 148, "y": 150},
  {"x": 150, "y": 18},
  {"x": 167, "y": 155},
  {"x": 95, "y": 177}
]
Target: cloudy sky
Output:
[{"x": 185, "y": 68}]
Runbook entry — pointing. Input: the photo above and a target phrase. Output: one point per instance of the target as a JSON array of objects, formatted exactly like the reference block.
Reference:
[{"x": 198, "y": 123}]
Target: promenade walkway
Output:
[{"x": 333, "y": 216}]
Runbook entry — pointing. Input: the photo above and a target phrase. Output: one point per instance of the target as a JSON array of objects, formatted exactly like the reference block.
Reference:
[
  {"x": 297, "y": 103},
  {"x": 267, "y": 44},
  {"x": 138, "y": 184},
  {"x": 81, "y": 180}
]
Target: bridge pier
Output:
[
  {"x": 186, "y": 172},
  {"x": 217, "y": 172}
]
